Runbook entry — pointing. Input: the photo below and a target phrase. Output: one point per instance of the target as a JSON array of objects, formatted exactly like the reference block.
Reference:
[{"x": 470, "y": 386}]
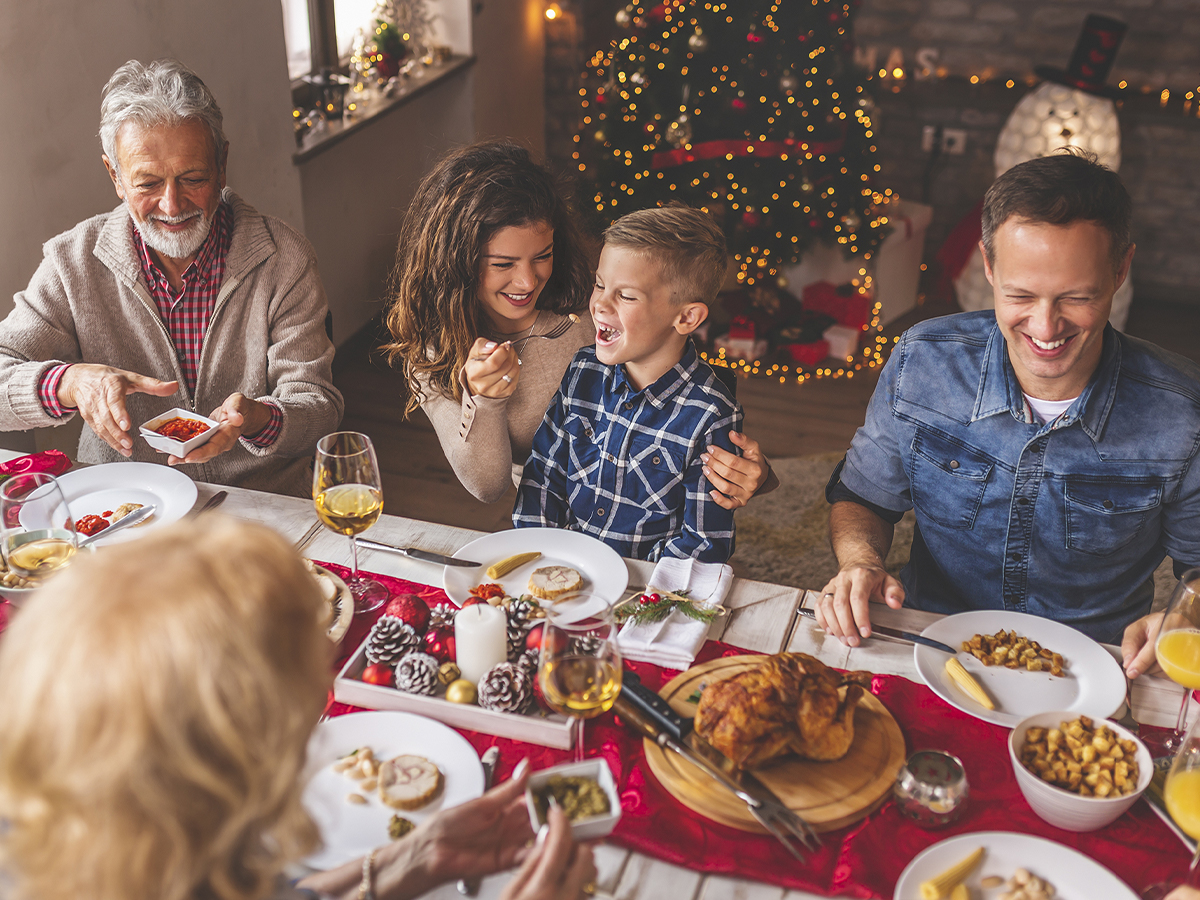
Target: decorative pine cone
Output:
[
  {"x": 529, "y": 662},
  {"x": 442, "y": 615},
  {"x": 389, "y": 640},
  {"x": 586, "y": 644},
  {"x": 517, "y": 625},
  {"x": 505, "y": 688},
  {"x": 417, "y": 673}
]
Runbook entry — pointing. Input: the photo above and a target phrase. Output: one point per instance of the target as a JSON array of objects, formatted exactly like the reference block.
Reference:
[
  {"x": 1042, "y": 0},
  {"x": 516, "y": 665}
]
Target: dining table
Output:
[{"x": 762, "y": 617}]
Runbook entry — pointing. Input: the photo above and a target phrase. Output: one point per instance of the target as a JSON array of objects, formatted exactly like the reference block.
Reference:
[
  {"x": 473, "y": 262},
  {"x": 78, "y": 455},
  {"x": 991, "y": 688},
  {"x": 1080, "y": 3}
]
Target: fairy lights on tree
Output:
[{"x": 750, "y": 110}]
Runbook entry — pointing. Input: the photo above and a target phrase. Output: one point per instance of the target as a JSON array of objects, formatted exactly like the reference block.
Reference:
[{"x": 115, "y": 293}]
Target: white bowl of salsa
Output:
[{"x": 178, "y": 431}]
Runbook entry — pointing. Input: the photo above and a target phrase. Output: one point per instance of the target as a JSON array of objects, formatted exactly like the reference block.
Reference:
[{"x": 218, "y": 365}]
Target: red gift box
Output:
[
  {"x": 852, "y": 309},
  {"x": 808, "y": 354}
]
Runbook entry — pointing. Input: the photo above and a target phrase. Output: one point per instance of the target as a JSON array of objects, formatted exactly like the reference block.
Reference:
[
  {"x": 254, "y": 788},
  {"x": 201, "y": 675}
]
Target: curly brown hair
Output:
[{"x": 434, "y": 314}]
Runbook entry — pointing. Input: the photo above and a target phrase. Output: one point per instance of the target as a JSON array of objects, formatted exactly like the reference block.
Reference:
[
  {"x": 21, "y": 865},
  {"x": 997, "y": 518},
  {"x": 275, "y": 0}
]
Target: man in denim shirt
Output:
[{"x": 1049, "y": 458}]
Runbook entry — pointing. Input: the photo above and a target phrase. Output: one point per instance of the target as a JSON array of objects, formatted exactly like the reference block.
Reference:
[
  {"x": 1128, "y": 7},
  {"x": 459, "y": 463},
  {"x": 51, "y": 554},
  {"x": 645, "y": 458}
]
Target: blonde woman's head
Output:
[{"x": 157, "y": 701}]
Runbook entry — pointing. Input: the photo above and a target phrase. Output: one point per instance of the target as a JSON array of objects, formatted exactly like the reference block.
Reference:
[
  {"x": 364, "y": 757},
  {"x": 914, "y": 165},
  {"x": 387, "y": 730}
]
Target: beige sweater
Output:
[
  {"x": 88, "y": 302},
  {"x": 487, "y": 440}
]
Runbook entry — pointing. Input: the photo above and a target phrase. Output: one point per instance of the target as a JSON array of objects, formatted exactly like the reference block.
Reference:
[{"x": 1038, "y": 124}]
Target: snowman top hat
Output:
[{"x": 1092, "y": 58}]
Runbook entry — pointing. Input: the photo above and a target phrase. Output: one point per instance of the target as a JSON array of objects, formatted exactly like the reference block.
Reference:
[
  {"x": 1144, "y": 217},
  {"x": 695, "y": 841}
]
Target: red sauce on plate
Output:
[
  {"x": 182, "y": 429},
  {"x": 90, "y": 525}
]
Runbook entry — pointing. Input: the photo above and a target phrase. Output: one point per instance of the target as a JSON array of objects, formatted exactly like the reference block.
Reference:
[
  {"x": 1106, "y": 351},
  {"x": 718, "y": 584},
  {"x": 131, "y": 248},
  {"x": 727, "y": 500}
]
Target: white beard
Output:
[{"x": 176, "y": 245}]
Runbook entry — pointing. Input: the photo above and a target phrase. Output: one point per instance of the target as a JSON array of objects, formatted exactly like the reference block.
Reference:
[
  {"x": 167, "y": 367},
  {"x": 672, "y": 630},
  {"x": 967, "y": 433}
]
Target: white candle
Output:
[{"x": 480, "y": 640}]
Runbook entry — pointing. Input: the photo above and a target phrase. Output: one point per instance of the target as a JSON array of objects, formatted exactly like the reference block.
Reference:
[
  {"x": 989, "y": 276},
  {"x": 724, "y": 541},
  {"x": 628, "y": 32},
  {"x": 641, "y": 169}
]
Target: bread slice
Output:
[
  {"x": 552, "y": 582},
  {"x": 409, "y": 782}
]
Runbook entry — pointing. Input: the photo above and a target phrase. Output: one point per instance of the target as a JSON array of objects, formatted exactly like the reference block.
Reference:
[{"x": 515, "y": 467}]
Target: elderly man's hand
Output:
[
  {"x": 1137, "y": 645},
  {"x": 238, "y": 415},
  {"x": 99, "y": 392},
  {"x": 844, "y": 608}
]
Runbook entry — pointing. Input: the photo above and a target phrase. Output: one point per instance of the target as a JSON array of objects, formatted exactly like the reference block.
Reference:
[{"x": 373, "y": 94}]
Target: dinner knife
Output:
[
  {"x": 134, "y": 518},
  {"x": 894, "y": 633},
  {"x": 469, "y": 887},
  {"x": 414, "y": 553}
]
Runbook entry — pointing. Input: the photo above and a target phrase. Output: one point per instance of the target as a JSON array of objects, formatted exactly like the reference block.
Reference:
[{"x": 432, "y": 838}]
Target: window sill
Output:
[{"x": 412, "y": 87}]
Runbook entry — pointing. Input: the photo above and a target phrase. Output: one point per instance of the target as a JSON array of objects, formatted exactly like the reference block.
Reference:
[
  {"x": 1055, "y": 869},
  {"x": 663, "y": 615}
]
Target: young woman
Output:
[
  {"x": 490, "y": 260},
  {"x": 154, "y": 747}
]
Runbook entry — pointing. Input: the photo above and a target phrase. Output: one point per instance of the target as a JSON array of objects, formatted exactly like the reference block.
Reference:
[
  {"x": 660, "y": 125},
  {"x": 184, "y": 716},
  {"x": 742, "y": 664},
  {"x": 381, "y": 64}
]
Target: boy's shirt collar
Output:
[{"x": 662, "y": 390}]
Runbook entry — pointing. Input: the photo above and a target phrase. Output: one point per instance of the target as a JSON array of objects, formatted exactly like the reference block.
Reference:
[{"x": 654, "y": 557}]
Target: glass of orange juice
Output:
[
  {"x": 1178, "y": 648},
  {"x": 1182, "y": 797}
]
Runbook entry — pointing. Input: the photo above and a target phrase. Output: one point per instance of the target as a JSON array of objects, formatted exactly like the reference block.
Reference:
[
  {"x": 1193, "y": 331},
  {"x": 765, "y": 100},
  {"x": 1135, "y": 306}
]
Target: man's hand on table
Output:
[
  {"x": 99, "y": 393},
  {"x": 1137, "y": 646},
  {"x": 844, "y": 608},
  {"x": 238, "y": 415}
]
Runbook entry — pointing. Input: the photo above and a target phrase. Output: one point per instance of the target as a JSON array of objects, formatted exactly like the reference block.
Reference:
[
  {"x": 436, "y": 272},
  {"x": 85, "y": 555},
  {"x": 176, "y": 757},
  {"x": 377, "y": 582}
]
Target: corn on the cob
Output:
[
  {"x": 508, "y": 564},
  {"x": 960, "y": 892},
  {"x": 941, "y": 885},
  {"x": 967, "y": 682}
]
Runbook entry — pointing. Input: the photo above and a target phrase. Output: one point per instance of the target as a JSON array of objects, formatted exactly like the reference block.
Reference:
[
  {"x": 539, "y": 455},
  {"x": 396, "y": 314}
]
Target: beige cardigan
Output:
[{"x": 88, "y": 302}]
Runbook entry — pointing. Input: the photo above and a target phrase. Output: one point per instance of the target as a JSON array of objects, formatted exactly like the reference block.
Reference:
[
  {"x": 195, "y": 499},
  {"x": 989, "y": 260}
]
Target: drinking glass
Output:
[
  {"x": 348, "y": 495},
  {"x": 1178, "y": 648},
  {"x": 579, "y": 669},
  {"x": 1181, "y": 793},
  {"x": 38, "y": 532}
]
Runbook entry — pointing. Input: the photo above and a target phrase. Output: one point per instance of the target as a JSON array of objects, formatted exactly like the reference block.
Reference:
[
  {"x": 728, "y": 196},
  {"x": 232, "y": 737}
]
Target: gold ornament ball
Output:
[
  {"x": 461, "y": 691},
  {"x": 600, "y": 136},
  {"x": 448, "y": 672}
]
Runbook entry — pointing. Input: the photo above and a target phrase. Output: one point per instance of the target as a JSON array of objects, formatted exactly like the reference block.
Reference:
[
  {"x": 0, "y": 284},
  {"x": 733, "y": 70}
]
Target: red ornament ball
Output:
[
  {"x": 378, "y": 673},
  {"x": 649, "y": 599},
  {"x": 471, "y": 601},
  {"x": 439, "y": 643},
  {"x": 533, "y": 638},
  {"x": 410, "y": 609}
]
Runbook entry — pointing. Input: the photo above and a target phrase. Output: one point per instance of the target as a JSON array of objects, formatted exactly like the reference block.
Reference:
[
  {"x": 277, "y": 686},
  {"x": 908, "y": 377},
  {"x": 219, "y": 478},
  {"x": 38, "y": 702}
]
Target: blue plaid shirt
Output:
[{"x": 624, "y": 466}]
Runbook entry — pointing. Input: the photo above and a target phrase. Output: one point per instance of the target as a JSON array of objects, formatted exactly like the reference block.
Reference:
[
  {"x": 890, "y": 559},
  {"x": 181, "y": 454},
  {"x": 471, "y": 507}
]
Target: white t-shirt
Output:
[{"x": 1048, "y": 410}]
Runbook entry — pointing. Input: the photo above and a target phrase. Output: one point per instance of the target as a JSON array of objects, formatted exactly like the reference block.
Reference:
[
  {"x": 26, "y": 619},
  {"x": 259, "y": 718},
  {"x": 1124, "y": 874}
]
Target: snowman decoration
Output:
[{"x": 1072, "y": 108}]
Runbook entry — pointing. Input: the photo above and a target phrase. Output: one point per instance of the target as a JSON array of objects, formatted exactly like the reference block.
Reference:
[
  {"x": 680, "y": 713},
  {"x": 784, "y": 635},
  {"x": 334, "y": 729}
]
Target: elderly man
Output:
[
  {"x": 184, "y": 295},
  {"x": 1051, "y": 461}
]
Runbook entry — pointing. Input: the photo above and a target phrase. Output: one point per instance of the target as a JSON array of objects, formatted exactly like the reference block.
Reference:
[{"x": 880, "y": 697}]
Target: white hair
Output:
[{"x": 165, "y": 92}]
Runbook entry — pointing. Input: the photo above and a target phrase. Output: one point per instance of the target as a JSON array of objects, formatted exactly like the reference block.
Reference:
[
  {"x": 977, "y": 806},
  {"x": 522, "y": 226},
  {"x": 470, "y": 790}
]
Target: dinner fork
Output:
[
  {"x": 556, "y": 332},
  {"x": 308, "y": 536}
]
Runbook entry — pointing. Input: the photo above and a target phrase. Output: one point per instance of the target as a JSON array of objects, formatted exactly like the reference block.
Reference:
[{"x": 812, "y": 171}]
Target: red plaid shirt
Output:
[{"x": 185, "y": 315}]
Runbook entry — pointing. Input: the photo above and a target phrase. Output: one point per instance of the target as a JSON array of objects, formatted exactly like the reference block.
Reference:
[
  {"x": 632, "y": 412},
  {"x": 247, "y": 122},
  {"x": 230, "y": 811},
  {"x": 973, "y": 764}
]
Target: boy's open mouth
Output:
[{"x": 606, "y": 334}]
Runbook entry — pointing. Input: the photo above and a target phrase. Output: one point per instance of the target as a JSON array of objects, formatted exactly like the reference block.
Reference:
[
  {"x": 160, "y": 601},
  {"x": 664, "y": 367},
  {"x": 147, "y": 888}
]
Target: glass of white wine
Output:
[
  {"x": 579, "y": 669},
  {"x": 38, "y": 534},
  {"x": 348, "y": 495}
]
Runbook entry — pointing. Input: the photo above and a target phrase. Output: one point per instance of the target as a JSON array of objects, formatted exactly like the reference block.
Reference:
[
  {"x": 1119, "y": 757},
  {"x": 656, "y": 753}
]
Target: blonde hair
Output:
[
  {"x": 158, "y": 701},
  {"x": 685, "y": 242}
]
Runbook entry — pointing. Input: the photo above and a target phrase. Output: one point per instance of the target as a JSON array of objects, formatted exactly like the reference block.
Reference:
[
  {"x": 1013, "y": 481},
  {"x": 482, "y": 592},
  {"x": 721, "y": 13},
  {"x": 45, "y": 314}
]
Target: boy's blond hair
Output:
[{"x": 686, "y": 243}]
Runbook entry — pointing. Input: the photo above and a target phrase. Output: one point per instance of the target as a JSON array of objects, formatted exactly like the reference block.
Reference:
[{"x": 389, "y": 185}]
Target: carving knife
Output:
[
  {"x": 414, "y": 553},
  {"x": 894, "y": 633},
  {"x": 650, "y": 714}
]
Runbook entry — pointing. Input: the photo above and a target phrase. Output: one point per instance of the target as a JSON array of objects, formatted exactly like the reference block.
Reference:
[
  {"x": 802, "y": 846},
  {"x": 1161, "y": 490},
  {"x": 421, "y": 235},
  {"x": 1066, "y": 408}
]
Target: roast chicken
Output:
[{"x": 790, "y": 703}]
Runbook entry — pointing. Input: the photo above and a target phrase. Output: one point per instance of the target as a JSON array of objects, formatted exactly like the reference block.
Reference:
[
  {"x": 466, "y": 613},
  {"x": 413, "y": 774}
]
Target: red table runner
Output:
[{"x": 863, "y": 860}]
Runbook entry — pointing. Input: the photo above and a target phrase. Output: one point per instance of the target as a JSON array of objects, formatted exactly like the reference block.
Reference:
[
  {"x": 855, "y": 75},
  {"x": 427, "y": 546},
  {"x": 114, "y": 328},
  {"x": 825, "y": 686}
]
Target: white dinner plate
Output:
[
  {"x": 1093, "y": 683},
  {"x": 94, "y": 490},
  {"x": 350, "y": 830},
  {"x": 1074, "y": 876},
  {"x": 602, "y": 568}
]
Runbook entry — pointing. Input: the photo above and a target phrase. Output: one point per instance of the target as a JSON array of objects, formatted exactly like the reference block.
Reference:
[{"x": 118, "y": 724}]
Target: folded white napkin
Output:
[{"x": 674, "y": 642}]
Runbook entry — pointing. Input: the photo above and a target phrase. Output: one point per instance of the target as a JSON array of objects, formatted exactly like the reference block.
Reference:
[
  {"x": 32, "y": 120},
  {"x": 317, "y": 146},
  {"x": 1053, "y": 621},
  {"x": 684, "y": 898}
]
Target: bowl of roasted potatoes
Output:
[{"x": 1078, "y": 773}]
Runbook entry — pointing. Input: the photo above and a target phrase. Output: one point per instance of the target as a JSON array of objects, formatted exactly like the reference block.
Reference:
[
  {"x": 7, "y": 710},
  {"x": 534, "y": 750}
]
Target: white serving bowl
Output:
[
  {"x": 593, "y": 827},
  {"x": 164, "y": 444},
  {"x": 1061, "y": 807}
]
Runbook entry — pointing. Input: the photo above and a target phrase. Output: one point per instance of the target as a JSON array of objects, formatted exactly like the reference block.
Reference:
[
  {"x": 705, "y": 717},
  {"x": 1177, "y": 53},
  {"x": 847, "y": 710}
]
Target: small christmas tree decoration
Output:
[
  {"x": 505, "y": 688},
  {"x": 448, "y": 672},
  {"x": 654, "y": 606},
  {"x": 389, "y": 640},
  {"x": 417, "y": 673},
  {"x": 442, "y": 615},
  {"x": 411, "y": 609}
]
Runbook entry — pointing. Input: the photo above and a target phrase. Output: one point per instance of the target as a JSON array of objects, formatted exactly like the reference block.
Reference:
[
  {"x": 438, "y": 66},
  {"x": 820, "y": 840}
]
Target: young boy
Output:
[{"x": 618, "y": 455}]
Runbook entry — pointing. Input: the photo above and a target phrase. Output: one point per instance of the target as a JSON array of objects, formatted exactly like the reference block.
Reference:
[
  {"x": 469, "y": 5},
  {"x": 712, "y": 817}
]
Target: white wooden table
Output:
[{"x": 763, "y": 617}]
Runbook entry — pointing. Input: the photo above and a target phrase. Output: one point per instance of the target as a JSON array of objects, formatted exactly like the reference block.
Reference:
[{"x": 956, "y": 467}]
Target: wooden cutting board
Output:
[{"x": 828, "y": 795}]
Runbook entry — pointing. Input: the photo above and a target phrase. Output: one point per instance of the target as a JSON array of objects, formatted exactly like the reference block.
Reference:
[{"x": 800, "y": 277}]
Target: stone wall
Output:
[{"x": 1001, "y": 41}]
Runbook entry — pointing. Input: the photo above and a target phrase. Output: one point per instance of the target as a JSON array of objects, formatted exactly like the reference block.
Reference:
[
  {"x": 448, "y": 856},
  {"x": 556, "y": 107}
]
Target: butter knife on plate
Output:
[
  {"x": 893, "y": 633},
  {"x": 414, "y": 553}
]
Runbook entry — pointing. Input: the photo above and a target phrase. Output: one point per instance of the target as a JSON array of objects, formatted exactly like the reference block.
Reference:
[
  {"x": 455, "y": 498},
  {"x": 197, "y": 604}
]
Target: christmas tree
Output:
[{"x": 750, "y": 110}]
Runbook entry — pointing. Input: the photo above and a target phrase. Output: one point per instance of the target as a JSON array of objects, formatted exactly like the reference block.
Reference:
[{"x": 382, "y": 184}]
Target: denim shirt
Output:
[{"x": 1067, "y": 519}]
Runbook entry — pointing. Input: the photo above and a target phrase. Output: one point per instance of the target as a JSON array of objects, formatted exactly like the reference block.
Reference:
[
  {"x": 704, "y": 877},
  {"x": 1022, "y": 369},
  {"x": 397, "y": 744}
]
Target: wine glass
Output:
[
  {"x": 579, "y": 669},
  {"x": 348, "y": 496},
  {"x": 37, "y": 531},
  {"x": 1178, "y": 648},
  {"x": 1181, "y": 793}
]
